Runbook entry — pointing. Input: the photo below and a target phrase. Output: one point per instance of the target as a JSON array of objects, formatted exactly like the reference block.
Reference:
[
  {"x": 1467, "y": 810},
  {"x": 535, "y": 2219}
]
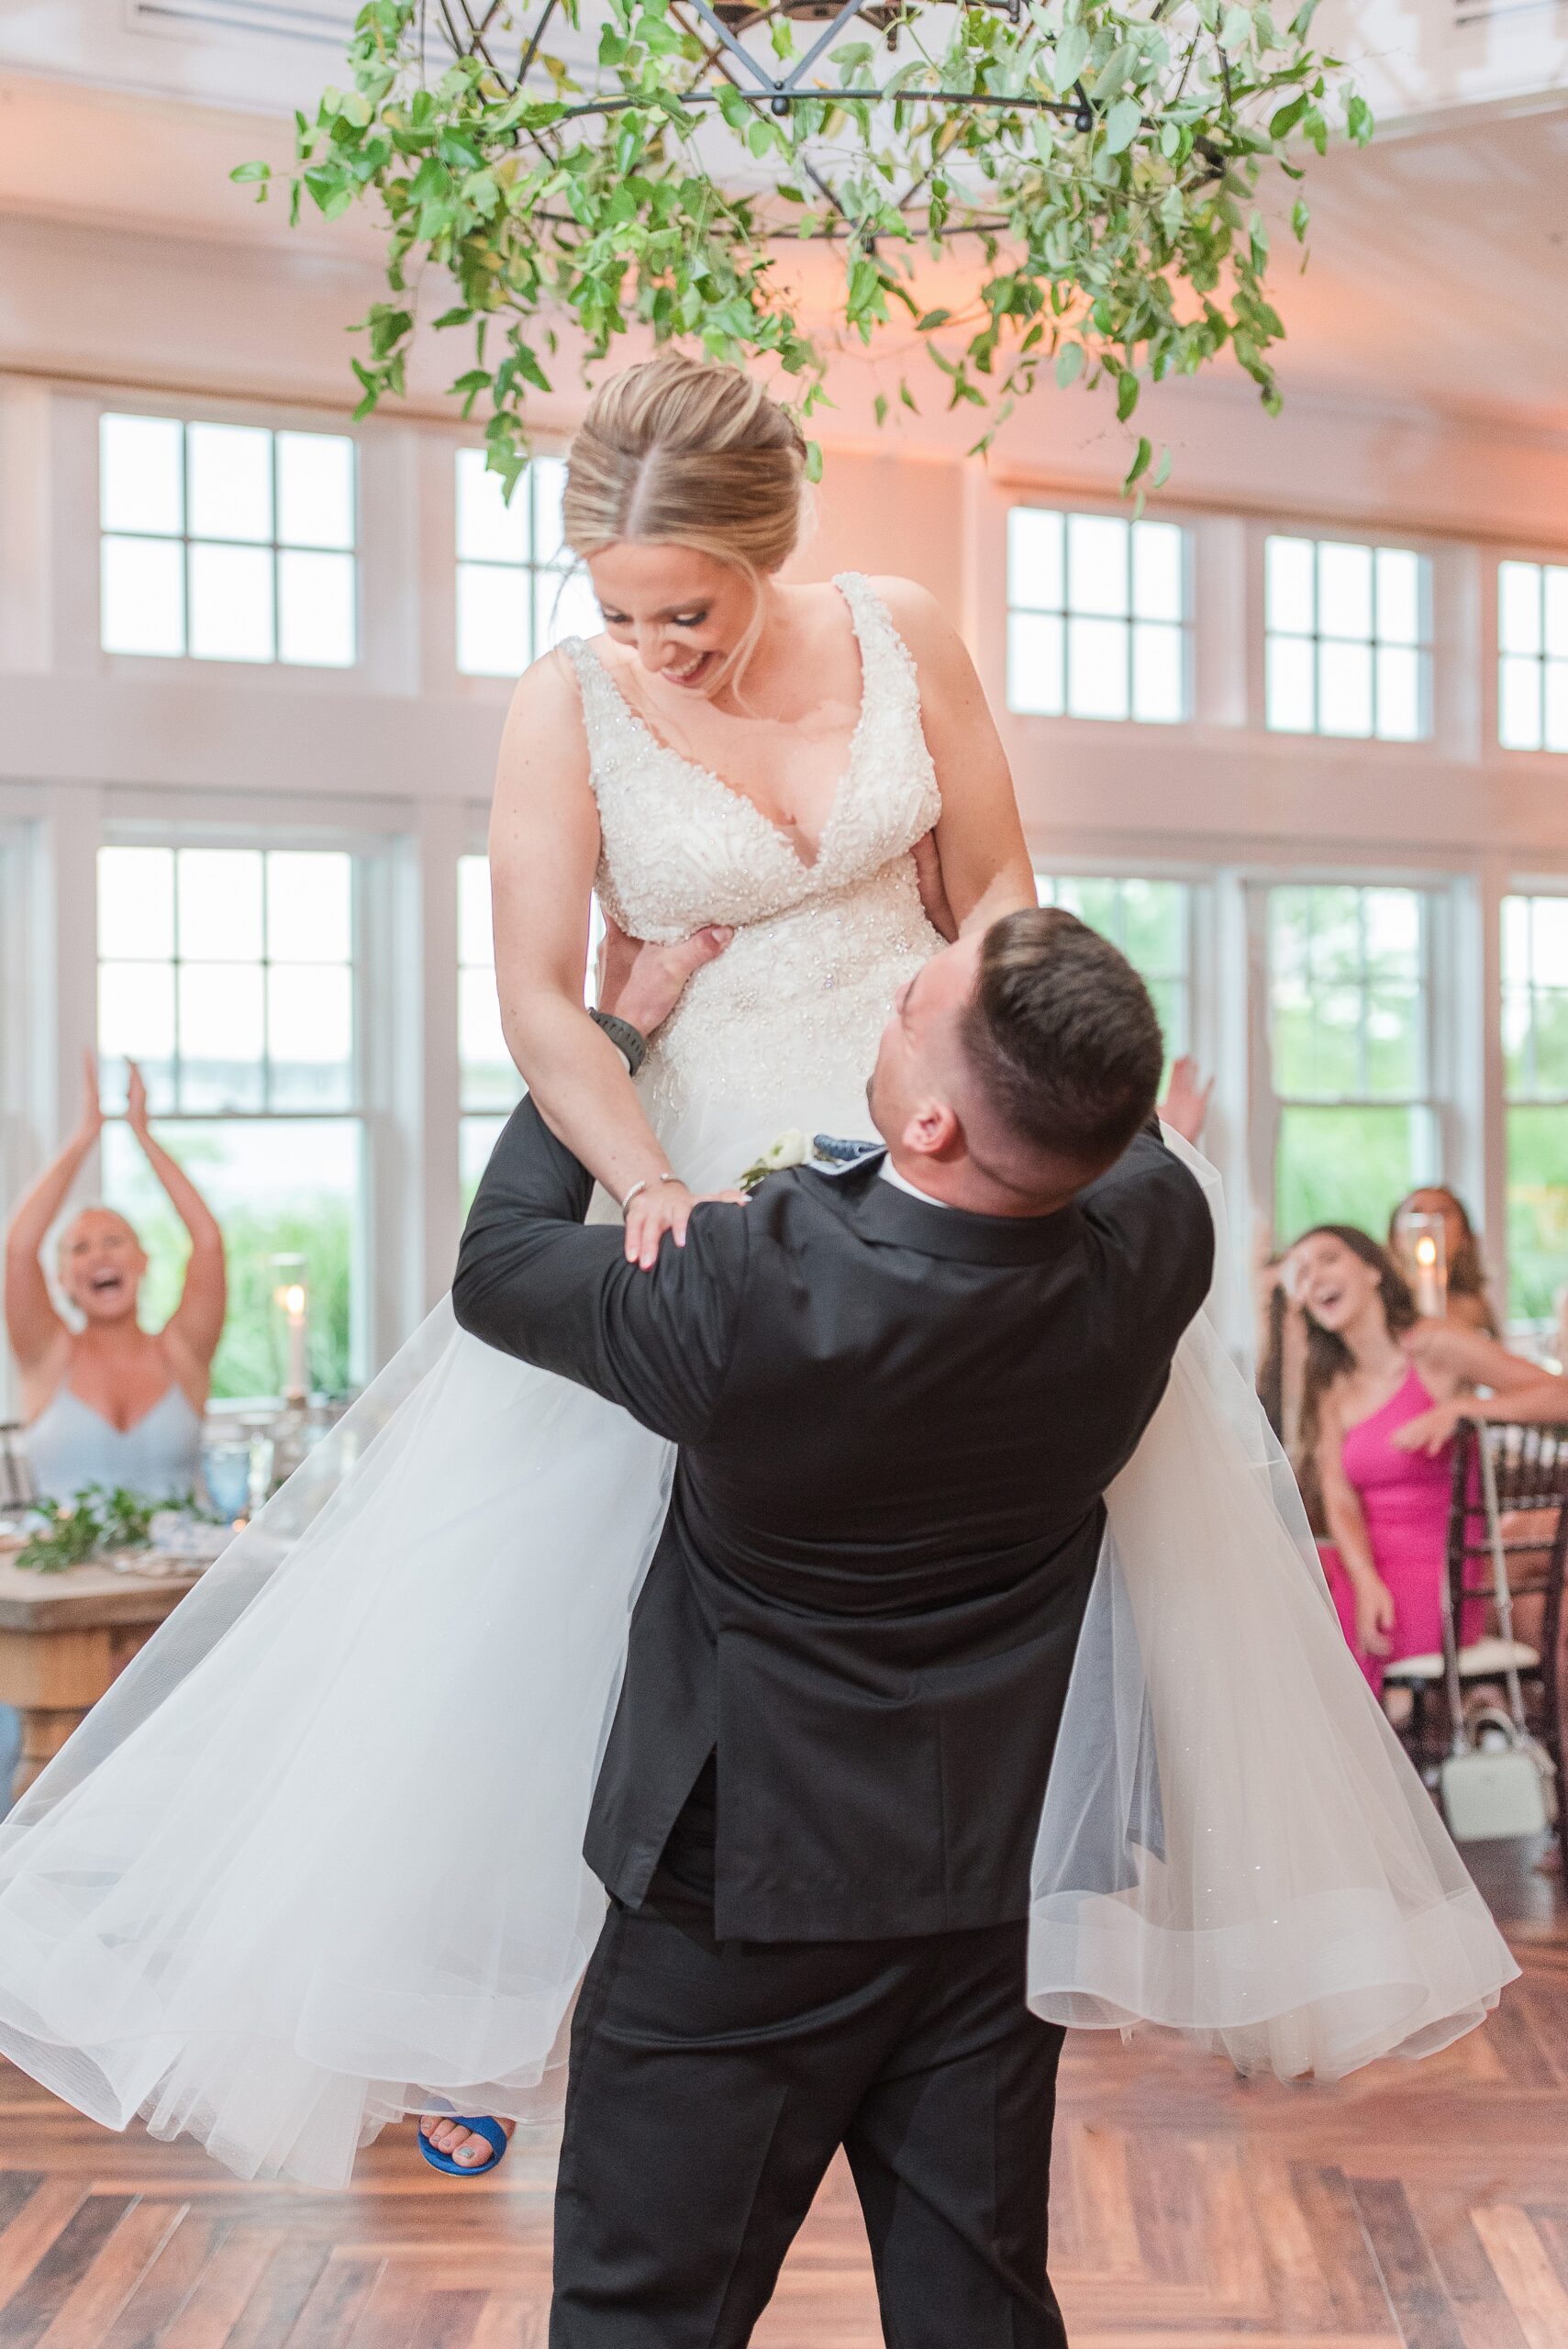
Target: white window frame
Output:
[
  {"x": 377, "y": 1314},
  {"x": 1439, "y": 1096},
  {"x": 1490, "y": 653},
  {"x": 1535, "y": 885},
  {"x": 1318, "y": 535},
  {"x": 390, "y": 650},
  {"x": 1070, "y": 508}
]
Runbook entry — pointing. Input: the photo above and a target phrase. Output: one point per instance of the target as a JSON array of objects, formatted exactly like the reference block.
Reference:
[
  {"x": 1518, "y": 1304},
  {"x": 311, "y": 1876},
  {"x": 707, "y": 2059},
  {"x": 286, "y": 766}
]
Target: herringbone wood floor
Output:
[{"x": 1423, "y": 2206}]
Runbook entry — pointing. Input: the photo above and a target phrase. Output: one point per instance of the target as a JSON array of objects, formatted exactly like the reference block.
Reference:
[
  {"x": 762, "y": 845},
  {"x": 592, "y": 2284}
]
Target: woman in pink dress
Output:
[{"x": 1382, "y": 1395}]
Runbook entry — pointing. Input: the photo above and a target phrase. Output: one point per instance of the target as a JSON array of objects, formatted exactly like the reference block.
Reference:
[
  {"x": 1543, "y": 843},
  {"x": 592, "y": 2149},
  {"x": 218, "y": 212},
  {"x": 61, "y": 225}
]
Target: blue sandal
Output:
[{"x": 481, "y": 2126}]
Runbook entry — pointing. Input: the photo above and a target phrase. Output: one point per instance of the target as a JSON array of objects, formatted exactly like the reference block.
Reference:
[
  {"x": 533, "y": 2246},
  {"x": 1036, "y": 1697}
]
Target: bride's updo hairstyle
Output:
[{"x": 681, "y": 452}]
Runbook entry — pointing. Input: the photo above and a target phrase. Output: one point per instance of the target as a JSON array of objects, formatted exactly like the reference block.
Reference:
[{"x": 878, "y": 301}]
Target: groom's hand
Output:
[{"x": 643, "y": 984}]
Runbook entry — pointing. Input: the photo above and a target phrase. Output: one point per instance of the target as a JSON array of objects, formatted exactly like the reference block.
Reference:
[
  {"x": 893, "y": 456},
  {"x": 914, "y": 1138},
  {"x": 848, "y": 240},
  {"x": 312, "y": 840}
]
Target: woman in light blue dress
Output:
[{"x": 111, "y": 1403}]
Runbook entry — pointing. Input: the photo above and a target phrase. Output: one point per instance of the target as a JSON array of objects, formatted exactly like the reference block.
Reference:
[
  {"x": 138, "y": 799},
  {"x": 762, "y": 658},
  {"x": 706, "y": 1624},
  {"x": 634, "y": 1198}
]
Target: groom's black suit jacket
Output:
[{"x": 896, "y": 1423}]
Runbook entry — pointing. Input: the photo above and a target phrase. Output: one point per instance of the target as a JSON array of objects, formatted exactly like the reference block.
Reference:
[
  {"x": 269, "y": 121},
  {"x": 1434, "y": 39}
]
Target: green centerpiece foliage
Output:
[
  {"x": 93, "y": 1524},
  {"x": 1093, "y": 171}
]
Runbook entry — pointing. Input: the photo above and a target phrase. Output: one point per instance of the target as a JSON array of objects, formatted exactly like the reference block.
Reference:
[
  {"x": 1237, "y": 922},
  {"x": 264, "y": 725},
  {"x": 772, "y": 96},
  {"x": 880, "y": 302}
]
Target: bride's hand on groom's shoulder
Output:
[
  {"x": 666, "y": 1207},
  {"x": 643, "y": 983}
]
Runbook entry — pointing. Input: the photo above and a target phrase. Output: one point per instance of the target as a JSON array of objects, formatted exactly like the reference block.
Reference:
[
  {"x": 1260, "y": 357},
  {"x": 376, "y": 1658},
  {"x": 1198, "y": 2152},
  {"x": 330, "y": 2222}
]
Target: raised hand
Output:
[
  {"x": 92, "y": 1120},
  {"x": 1185, "y": 1104},
  {"x": 136, "y": 1101}
]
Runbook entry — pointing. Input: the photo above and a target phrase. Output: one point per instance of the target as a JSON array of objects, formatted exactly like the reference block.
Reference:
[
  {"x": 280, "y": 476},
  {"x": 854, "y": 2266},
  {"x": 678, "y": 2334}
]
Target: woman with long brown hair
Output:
[{"x": 1382, "y": 1396}]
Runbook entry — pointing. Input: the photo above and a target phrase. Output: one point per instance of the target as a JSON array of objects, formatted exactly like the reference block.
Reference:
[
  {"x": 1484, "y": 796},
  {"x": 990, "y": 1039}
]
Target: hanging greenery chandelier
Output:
[{"x": 1088, "y": 173}]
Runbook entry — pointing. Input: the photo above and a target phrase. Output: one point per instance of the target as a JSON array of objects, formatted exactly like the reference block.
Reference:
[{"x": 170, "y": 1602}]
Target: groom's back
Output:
[{"x": 879, "y": 1550}]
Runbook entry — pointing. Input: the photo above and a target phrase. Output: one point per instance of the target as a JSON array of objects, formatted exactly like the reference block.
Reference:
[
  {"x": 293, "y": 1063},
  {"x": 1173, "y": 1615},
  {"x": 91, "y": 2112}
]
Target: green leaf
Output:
[
  {"x": 1282, "y": 124},
  {"x": 1236, "y": 31},
  {"x": 1126, "y": 395},
  {"x": 1300, "y": 219},
  {"x": 932, "y": 320},
  {"x": 1069, "y": 364},
  {"x": 880, "y": 407},
  {"x": 1113, "y": 73},
  {"x": 814, "y": 460},
  {"x": 1122, "y": 126},
  {"x": 1140, "y": 464},
  {"x": 1071, "y": 56}
]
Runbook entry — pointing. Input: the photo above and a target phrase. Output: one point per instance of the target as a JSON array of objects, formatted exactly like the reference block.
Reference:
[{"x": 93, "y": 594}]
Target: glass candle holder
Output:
[{"x": 1423, "y": 1246}]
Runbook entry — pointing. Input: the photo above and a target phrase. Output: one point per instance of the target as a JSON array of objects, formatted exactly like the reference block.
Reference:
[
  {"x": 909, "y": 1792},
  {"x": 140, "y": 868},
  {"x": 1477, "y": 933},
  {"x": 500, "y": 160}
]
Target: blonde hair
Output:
[{"x": 681, "y": 452}]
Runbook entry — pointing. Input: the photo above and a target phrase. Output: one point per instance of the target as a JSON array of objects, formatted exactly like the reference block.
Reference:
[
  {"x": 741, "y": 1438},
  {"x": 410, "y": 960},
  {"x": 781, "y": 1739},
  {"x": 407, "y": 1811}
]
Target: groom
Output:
[{"x": 900, "y": 1392}]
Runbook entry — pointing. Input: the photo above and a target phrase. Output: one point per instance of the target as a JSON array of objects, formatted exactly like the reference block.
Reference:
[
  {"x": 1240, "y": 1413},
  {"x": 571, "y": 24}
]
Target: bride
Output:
[{"x": 313, "y": 1862}]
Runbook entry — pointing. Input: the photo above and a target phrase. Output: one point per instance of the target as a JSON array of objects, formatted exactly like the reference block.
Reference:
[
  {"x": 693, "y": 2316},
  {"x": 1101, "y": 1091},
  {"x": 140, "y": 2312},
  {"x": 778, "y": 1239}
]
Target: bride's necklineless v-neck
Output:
[{"x": 791, "y": 837}]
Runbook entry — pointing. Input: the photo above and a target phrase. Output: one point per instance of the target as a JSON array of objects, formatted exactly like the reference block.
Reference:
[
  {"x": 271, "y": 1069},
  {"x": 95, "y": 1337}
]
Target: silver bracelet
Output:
[{"x": 637, "y": 1188}]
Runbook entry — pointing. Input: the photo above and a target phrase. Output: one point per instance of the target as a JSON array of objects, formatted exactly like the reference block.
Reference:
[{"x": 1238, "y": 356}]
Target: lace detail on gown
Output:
[{"x": 804, "y": 988}]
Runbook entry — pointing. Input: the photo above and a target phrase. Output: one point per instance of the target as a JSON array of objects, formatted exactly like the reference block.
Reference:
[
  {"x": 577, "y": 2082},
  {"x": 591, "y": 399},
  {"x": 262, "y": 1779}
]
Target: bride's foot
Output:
[{"x": 462, "y": 2144}]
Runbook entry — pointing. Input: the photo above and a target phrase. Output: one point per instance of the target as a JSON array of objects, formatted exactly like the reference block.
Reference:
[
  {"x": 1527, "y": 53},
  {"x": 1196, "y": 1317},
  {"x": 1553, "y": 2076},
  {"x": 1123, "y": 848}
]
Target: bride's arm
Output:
[
  {"x": 544, "y": 851},
  {"x": 986, "y": 867}
]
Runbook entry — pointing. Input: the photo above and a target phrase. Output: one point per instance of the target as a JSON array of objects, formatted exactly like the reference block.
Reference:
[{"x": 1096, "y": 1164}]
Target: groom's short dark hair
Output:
[{"x": 1064, "y": 1037}]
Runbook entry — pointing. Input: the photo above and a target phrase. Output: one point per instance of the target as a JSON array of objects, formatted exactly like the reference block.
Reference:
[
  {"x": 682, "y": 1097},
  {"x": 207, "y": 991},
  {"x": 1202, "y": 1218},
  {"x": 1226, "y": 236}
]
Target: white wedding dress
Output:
[{"x": 314, "y": 1860}]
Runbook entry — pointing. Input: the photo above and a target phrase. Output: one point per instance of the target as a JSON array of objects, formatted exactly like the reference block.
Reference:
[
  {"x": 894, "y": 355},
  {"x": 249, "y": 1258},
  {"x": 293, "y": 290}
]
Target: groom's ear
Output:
[{"x": 932, "y": 1128}]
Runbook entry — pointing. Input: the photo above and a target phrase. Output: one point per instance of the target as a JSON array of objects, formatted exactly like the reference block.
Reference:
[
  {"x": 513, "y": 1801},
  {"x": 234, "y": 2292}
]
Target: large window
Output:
[
  {"x": 1535, "y": 1056},
  {"x": 1348, "y": 1016},
  {"x": 1096, "y": 616},
  {"x": 227, "y": 542},
  {"x": 1349, "y": 636},
  {"x": 489, "y": 1085},
  {"x": 1151, "y": 923},
  {"x": 518, "y": 590},
  {"x": 1532, "y": 656},
  {"x": 228, "y": 976}
]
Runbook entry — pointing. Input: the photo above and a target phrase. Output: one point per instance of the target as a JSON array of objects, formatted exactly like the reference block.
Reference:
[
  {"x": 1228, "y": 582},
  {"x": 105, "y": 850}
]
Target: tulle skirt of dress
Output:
[{"x": 314, "y": 1860}]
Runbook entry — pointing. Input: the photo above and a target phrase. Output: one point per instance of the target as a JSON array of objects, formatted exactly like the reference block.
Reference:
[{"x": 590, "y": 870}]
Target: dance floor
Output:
[{"x": 1423, "y": 2206}]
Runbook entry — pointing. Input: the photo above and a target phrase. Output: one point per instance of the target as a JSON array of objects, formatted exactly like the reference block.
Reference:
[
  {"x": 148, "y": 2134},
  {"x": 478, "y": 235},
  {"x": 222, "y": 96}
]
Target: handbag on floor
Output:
[{"x": 1498, "y": 1780}]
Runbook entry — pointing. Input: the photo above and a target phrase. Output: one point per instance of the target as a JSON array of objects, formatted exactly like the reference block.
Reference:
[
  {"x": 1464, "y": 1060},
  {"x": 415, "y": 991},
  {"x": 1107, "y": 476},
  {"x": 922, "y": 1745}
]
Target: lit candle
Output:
[
  {"x": 1423, "y": 1243},
  {"x": 292, "y": 1297}
]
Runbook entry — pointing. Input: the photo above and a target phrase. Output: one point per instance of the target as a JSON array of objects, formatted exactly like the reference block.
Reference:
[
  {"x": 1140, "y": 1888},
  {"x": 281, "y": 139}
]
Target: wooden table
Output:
[{"x": 63, "y": 1637}]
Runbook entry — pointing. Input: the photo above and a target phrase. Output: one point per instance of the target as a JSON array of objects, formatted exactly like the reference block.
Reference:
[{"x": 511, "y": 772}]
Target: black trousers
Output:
[{"x": 711, "y": 2085}]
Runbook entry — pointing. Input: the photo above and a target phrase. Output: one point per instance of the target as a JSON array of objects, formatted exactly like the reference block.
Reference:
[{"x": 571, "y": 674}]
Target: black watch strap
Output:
[{"x": 623, "y": 1034}]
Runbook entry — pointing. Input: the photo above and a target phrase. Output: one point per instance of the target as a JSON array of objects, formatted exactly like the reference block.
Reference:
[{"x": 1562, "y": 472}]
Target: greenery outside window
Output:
[
  {"x": 1349, "y": 972},
  {"x": 1535, "y": 1076},
  {"x": 231, "y": 977}
]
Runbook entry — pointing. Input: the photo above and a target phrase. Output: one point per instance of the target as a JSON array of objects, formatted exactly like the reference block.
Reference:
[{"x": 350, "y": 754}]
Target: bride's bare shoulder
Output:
[
  {"x": 545, "y": 732},
  {"x": 916, "y": 614},
  {"x": 935, "y": 643}
]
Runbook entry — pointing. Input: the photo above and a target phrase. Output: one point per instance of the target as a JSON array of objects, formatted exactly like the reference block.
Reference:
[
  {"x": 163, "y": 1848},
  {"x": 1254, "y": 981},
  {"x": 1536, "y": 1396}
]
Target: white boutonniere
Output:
[{"x": 791, "y": 1148}]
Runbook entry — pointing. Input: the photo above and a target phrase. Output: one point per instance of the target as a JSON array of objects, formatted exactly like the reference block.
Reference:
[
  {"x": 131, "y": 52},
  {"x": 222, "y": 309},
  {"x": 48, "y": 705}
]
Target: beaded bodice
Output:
[{"x": 801, "y": 993}]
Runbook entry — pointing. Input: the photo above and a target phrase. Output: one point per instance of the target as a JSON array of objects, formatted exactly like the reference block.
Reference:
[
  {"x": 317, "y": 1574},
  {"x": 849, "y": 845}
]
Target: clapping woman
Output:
[{"x": 111, "y": 1403}]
